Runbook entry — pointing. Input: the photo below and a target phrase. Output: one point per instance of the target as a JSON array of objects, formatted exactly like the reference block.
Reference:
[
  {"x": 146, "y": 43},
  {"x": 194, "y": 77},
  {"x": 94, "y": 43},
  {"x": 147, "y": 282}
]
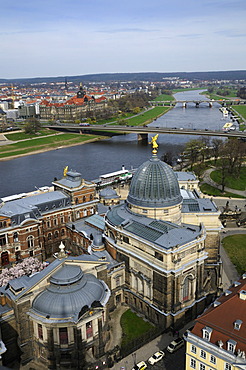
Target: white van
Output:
[{"x": 175, "y": 345}]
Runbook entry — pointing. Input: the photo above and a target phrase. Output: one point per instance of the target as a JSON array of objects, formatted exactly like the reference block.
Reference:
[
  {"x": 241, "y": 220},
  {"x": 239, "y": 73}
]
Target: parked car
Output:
[
  {"x": 156, "y": 357},
  {"x": 140, "y": 366},
  {"x": 175, "y": 345}
]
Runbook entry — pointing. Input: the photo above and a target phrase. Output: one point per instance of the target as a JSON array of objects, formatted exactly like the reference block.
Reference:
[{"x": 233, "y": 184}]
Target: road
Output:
[{"x": 145, "y": 130}]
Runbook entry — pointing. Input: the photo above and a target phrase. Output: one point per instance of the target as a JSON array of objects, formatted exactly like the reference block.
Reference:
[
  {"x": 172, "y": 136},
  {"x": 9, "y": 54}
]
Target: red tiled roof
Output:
[{"x": 222, "y": 318}]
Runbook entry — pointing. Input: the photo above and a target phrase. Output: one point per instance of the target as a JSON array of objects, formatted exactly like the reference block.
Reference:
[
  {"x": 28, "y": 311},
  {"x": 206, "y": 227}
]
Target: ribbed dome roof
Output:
[
  {"x": 108, "y": 193},
  {"x": 154, "y": 185},
  {"x": 70, "y": 290}
]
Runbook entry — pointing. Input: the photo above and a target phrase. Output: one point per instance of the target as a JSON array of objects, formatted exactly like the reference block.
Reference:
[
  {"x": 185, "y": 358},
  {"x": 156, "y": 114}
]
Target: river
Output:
[{"x": 91, "y": 160}]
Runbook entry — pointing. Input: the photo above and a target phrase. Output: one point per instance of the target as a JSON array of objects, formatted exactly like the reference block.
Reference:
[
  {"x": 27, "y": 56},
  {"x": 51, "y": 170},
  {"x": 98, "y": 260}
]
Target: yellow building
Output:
[{"x": 218, "y": 339}]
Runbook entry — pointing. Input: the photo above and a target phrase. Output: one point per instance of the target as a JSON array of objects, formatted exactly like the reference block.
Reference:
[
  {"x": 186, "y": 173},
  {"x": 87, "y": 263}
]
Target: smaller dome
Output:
[
  {"x": 69, "y": 291},
  {"x": 108, "y": 193},
  {"x": 97, "y": 241}
]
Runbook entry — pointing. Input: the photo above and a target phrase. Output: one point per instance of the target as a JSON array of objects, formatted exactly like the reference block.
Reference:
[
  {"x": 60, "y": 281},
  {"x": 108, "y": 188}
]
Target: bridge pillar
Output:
[
  {"x": 197, "y": 104},
  {"x": 143, "y": 138},
  {"x": 184, "y": 105},
  {"x": 210, "y": 104}
]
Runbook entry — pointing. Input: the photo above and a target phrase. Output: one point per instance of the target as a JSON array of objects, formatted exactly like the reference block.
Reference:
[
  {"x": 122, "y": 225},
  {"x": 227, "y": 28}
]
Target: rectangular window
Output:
[
  {"x": 63, "y": 336},
  {"x": 192, "y": 363},
  {"x": 89, "y": 330},
  {"x": 202, "y": 367},
  {"x": 40, "y": 331},
  {"x": 230, "y": 347},
  {"x": 213, "y": 359},
  {"x": 2, "y": 240},
  {"x": 203, "y": 354},
  {"x": 159, "y": 256},
  {"x": 125, "y": 239},
  {"x": 193, "y": 349},
  {"x": 227, "y": 366}
]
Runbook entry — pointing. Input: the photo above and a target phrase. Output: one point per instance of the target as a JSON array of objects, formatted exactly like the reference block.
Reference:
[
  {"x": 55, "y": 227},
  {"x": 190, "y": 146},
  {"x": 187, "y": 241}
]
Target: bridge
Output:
[
  {"x": 210, "y": 102},
  {"x": 143, "y": 131}
]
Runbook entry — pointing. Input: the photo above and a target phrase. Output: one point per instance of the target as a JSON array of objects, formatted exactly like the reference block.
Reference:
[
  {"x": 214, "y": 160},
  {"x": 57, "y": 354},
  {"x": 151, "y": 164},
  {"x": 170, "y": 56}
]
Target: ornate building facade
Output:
[
  {"x": 169, "y": 244},
  {"x": 35, "y": 225}
]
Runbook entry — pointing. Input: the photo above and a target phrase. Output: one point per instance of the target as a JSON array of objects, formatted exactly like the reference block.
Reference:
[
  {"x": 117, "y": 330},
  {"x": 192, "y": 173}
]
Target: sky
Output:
[{"x": 46, "y": 38}]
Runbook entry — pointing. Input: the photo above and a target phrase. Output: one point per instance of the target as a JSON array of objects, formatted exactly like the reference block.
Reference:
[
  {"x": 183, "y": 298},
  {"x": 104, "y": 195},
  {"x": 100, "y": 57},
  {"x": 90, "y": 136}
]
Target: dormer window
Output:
[
  {"x": 207, "y": 333},
  {"x": 237, "y": 324},
  {"x": 231, "y": 345}
]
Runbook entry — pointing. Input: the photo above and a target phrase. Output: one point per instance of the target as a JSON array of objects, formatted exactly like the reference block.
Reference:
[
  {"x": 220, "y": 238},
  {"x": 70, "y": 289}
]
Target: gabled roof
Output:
[{"x": 222, "y": 315}]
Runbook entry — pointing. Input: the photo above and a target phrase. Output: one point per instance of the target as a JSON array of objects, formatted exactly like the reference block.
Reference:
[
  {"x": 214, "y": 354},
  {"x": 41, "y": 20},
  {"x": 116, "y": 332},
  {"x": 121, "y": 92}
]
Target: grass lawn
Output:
[
  {"x": 241, "y": 109},
  {"x": 210, "y": 190},
  {"x": 22, "y": 136},
  {"x": 164, "y": 97},
  {"x": 235, "y": 246},
  {"x": 133, "y": 326},
  {"x": 49, "y": 142},
  {"x": 147, "y": 117},
  {"x": 231, "y": 182}
]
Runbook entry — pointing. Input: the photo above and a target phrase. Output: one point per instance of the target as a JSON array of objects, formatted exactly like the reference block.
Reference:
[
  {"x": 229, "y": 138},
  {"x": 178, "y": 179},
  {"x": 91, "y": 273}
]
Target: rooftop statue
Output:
[
  {"x": 154, "y": 143},
  {"x": 65, "y": 171}
]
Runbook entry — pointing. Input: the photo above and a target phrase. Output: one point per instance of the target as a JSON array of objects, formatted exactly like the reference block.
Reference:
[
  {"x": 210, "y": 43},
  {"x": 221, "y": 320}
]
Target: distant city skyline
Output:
[{"x": 60, "y": 38}]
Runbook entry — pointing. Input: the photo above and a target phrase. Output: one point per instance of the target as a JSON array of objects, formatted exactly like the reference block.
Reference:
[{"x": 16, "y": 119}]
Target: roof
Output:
[
  {"x": 32, "y": 207},
  {"x": 70, "y": 291},
  {"x": 185, "y": 176},
  {"x": 222, "y": 315},
  {"x": 201, "y": 205},
  {"x": 161, "y": 233},
  {"x": 154, "y": 185},
  {"x": 72, "y": 180}
]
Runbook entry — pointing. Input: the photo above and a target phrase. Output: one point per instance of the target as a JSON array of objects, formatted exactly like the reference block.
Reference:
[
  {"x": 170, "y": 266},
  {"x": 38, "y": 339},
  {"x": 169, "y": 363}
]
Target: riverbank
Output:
[{"x": 47, "y": 149}]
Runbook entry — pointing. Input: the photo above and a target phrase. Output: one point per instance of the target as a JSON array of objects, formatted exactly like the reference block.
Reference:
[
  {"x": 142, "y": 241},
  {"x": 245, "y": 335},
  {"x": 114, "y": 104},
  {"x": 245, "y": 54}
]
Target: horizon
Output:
[
  {"x": 115, "y": 73},
  {"x": 44, "y": 38}
]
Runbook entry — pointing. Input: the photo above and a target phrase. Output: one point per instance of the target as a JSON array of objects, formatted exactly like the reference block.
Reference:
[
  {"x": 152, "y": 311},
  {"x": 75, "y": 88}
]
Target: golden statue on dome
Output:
[
  {"x": 65, "y": 171},
  {"x": 154, "y": 143}
]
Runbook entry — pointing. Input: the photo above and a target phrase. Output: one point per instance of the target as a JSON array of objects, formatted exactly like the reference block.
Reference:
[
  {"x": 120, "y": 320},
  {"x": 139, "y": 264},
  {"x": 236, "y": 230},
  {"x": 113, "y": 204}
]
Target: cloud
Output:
[{"x": 125, "y": 30}]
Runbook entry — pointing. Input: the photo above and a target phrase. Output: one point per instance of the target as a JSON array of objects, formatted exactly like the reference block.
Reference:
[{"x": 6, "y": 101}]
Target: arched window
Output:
[
  {"x": 78, "y": 214},
  {"x": 56, "y": 234},
  {"x": 30, "y": 241},
  {"x": 49, "y": 236},
  {"x": 62, "y": 232},
  {"x": 187, "y": 284}
]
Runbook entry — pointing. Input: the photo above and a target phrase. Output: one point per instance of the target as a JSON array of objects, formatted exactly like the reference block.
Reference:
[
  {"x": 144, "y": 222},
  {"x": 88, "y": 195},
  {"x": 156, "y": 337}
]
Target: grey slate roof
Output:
[
  {"x": 200, "y": 205},
  {"x": 154, "y": 185},
  {"x": 88, "y": 225},
  {"x": 108, "y": 193},
  {"x": 185, "y": 176},
  {"x": 34, "y": 206},
  {"x": 72, "y": 180},
  {"x": 161, "y": 233},
  {"x": 68, "y": 293}
]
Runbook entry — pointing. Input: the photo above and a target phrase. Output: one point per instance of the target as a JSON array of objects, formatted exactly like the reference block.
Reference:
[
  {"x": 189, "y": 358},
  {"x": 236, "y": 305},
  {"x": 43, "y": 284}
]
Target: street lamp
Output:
[{"x": 134, "y": 355}]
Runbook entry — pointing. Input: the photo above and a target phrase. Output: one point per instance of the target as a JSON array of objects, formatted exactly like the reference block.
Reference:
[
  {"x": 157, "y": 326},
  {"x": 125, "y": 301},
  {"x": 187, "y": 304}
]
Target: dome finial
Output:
[{"x": 154, "y": 143}]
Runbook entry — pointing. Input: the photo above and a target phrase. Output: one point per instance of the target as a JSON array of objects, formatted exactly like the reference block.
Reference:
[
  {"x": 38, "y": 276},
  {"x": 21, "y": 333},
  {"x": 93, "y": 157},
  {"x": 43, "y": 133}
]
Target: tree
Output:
[
  {"x": 216, "y": 145},
  {"x": 32, "y": 126},
  {"x": 27, "y": 267},
  {"x": 167, "y": 158},
  {"x": 136, "y": 110},
  {"x": 192, "y": 151}
]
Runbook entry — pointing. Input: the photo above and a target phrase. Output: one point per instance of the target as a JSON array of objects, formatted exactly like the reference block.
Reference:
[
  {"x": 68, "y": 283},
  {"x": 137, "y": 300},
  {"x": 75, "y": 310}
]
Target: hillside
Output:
[{"x": 141, "y": 76}]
